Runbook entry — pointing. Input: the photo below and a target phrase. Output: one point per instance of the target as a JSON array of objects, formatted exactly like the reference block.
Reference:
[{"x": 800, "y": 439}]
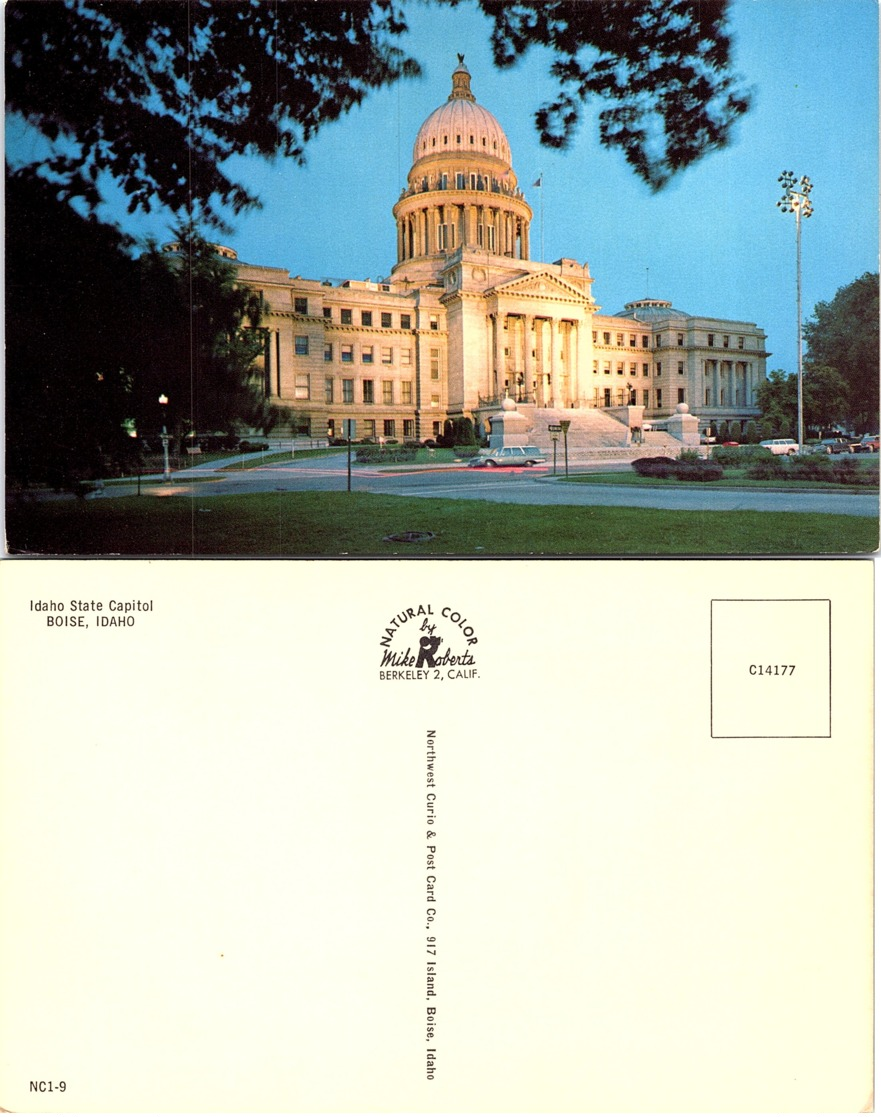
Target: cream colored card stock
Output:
[{"x": 449, "y": 837}]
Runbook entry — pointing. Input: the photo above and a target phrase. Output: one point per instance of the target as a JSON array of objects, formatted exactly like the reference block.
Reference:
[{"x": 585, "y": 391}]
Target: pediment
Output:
[{"x": 540, "y": 285}]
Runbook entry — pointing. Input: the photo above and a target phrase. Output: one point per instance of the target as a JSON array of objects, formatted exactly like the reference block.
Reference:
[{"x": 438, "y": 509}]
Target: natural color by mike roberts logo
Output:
[{"x": 424, "y": 642}]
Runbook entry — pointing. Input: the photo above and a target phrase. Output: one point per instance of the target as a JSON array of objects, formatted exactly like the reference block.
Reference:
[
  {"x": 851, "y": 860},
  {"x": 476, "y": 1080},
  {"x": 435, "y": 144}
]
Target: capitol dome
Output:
[
  {"x": 462, "y": 126},
  {"x": 461, "y": 190}
]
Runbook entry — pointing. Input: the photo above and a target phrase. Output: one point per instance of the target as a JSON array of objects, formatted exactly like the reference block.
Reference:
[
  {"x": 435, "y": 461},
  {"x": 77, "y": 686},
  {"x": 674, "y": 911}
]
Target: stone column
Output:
[
  {"x": 717, "y": 399},
  {"x": 555, "y": 365},
  {"x": 499, "y": 351},
  {"x": 528, "y": 365},
  {"x": 582, "y": 363}
]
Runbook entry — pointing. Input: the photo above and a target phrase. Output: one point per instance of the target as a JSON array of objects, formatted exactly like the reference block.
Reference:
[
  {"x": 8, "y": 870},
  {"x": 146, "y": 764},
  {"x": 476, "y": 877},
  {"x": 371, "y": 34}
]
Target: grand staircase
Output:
[{"x": 594, "y": 433}]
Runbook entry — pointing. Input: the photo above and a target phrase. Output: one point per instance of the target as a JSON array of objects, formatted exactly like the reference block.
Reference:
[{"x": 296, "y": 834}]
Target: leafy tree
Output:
[
  {"x": 71, "y": 294},
  {"x": 751, "y": 433},
  {"x": 199, "y": 342},
  {"x": 94, "y": 337},
  {"x": 160, "y": 94},
  {"x": 825, "y": 397},
  {"x": 843, "y": 335},
  {"x": 777, "y": 396}
]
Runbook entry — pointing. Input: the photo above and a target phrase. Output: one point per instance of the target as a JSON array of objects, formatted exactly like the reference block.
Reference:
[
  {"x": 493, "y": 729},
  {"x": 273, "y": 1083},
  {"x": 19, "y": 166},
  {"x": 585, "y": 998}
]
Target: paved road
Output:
[{"x": 518, "y": 486}]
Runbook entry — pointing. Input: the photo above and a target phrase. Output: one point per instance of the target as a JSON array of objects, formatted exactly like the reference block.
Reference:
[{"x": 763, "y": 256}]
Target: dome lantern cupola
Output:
[{"x": 461, "y": 83}]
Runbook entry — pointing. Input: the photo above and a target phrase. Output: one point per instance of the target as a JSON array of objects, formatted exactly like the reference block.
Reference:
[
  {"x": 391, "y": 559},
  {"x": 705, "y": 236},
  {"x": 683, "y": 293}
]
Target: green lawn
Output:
[{"x": 330, "y": 524}]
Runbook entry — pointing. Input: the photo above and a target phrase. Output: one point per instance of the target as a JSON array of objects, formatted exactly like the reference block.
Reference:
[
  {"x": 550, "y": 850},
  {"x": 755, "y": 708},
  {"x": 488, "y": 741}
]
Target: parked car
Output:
[
  {"x": 838, "y": 445},
  {"x": 508, "y": 455},
  {"x": 868, "y": 444},
  {"x": 787, "y": 446},
  {"x": 246, "y": 446}
]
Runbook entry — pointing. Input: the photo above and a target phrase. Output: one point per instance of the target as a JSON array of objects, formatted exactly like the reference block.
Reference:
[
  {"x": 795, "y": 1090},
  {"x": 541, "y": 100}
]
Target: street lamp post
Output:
[
  {"x": 796, "y": 199},
  {"x": 166, "y": 474}
]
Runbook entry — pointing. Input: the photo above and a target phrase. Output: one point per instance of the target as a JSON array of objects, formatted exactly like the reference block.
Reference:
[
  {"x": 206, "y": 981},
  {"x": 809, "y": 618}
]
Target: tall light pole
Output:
[{"x": 796, "y": 199}]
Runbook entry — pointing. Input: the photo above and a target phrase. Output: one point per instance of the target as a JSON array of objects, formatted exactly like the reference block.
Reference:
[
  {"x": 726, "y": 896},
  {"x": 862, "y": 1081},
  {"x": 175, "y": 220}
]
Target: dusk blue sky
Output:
[{"x": 713, "y": 241}]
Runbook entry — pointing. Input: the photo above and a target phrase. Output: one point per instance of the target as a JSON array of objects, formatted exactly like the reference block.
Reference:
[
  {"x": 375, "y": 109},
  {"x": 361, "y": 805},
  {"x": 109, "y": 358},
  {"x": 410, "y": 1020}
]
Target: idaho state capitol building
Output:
[{"x": 468, "y": 318}]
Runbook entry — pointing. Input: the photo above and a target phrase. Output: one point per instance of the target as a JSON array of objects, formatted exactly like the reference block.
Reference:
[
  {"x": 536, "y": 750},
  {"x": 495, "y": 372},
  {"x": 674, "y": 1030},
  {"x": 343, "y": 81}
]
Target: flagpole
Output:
[
  {"x": 539, "y": 182},
  {"x": 542, "y": 221}
]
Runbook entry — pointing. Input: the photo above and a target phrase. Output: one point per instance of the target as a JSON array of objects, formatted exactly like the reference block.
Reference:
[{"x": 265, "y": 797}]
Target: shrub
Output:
[
  {"x": 669, "y": 468},
  {"x": 767, "y": 469},
  {"x": 372, "y": 455},
  {"x": 469, "y": 451},
  {"x": 739, "y": 455}
]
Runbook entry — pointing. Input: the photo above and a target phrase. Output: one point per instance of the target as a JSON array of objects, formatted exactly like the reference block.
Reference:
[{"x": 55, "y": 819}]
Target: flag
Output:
[{"x": 538, "y": 180}]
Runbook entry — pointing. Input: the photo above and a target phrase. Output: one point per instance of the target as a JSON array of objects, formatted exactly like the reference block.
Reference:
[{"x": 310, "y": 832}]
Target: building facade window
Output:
[
  {"x": 607, "y": 368},
  {"x": 370, "y": 427},
  {"x": 366, "y": 317},
  {"x": 388, "y": 428},
  {"x": 405, "y": 321},
  {"x": 327, "y": 312},
  {"x": 385, "y": 320},
  {"x": 409, "y": 428},
  {"x": 432, "y": 322},
  {"x": 681, "y": 370},
  {"x": 633, "y": 341},
  {"x": 346, "y": 317},
  {"x": 366, "y": 354},
  {"x": 645, "y": 397},
  {"x": 301, "y": 386},
  {"x": 740, "y": 343},
  {"x": 619, "y": 339},
  {"x": 301, "y": 306},
  {"x": 645, "y": 370},
  {"x": 406, "y": 357},
  {"x": 725, "y": 340},
  {"x": 347, "y": 354},
  {"x": 680, "y": 395},
  {"x": 659, "y": 397},
  {"x": 435, "y": 401},
  {"x": 387, "y": 354},
  {"x": 711, "y": 340},
  {"x": 388, "y": 392},
  {"x": 328, "y": 351},
  {"x": 328, "y": 389},
  {"x": 645, "y": 341},
  {"x": 434, "y": 364},
  {"x": 367, "y": 391},
  {"x": 607, "y": 338},
  {"x": 620, "y": 368},
  {"x": 680, "y": 339},
  {"x": 406, "y": 391},
  {"x": 348, "y": 391},
  {"x": 301, "y": 345},
  {"x": 657, "y": 368}
]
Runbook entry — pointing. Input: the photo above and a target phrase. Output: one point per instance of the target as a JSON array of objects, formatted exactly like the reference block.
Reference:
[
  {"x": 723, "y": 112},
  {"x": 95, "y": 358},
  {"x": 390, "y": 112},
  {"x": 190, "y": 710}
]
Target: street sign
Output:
[
  {"x": 349, "y": 428},
  {"x": 565, "y": 424},
  {"x": 555, "y": 427}
]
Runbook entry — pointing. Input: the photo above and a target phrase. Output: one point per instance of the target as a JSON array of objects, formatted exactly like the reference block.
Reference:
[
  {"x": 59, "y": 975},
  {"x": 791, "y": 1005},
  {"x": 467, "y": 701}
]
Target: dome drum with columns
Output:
[{"x": 466, "y": 318}]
